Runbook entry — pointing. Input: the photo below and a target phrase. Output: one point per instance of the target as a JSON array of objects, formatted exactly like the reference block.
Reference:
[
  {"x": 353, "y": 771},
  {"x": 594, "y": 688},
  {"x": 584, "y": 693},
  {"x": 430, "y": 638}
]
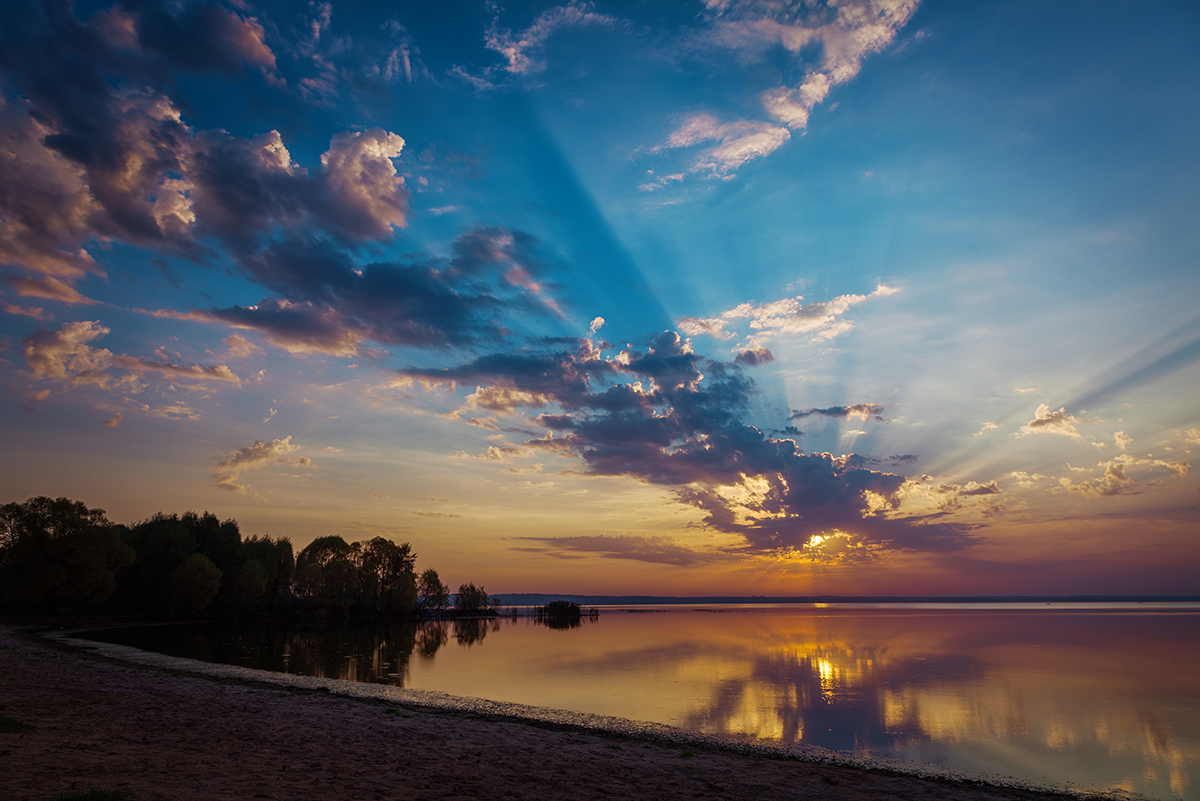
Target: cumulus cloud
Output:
[
  {"x": 261, "y": 454},
  {"x": 988, "y": 426},
  {"x": 947, "y": 496},
  {"x": 1122, "y": 439},
  {"x": 65, "y": 355},
  {"x": 821, "y": 319},
  {"x": 82, "y": 161},
  {"x": 1048, "y": 421},
  {"x": 1120, "y": 476},
  {"x": 861, "y": 411},
  {"x": 1026, "y": 480},
  {"x": 240, "y": 346},
  {"x": 114, "y": 421},
  {"x": 666, "y": 415},
  {"x": 364, "y": 197}
]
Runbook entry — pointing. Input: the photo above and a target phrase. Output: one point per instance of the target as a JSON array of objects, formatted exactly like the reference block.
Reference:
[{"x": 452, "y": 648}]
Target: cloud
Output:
[
  {"x": 949, "y": 497},
  {"x": 825, "y": 43},
  {"x": 860, "y": 411},
  {"x": 331, "y": 304},
  {"x": 47, "y": 288},
  {"x": 89, "y": 162},
  {"x": 1026, "y": 480},
  {"x": 1048, "y": 421},
  {"x": 1117, "y": 477},
  {"x": 196, "y": 37},
  {"x": 239, "y": 346},
  {"x": 822, "y": 319},
  {"x": 1122, "y": 439},
  {"x": 65, "y": 355},
  {"x": 988, "y": 426},
  {"x": 35, "y": 312},
  {"x": 667, "y": 416},
  {"x": 522, "y": 50},
  {"x": 655, "y": 550},
  {"x": 114, "y": 421},
  {"x": 754, "y": 357},
  {"x": 255, "y": 457},
  {"x": 595, "y": 326},
  {"x": 736, "y": 142},
  {"x": 364, "y": 198},
  {"x": 844, "y": 33}
]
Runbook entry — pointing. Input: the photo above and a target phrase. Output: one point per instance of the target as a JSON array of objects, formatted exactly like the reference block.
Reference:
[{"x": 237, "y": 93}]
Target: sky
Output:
[{"x": 744, "y": 297}]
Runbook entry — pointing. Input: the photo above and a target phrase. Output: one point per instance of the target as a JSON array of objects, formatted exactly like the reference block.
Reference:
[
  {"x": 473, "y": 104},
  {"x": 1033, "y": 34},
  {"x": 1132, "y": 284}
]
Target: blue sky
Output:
[{"x": 737, "y": 296}]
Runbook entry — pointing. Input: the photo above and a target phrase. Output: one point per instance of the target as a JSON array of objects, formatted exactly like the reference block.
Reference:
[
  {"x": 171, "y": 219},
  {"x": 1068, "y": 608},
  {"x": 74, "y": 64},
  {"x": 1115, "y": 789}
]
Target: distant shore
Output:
[
  {"x": 534, "y": 599},
  {"x": 164, "y": 728}
]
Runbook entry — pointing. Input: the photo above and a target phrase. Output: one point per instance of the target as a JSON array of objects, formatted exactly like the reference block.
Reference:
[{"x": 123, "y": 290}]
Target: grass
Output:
[
  {"x": 94, "y": 794},
  {"x": 12, "y": 726},
  {"x": 391, "y": 710},
  {"x": 686, "y": 754}
]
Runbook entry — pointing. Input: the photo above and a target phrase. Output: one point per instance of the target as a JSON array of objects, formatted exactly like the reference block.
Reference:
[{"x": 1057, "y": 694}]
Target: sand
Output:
[{"x": 161, "y": 731}]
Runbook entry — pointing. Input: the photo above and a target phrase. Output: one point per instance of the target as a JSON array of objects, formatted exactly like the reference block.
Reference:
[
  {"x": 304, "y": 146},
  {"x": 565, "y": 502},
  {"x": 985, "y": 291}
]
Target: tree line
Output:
[{"x": 57, "y": 556}]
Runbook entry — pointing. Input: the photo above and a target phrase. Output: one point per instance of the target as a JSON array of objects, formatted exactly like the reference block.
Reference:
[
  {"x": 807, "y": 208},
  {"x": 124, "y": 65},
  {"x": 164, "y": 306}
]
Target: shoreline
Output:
[{"x": 94, "y": 667}]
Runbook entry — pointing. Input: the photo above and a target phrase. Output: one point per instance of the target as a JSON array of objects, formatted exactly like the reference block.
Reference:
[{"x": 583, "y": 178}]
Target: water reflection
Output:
[{"x": 1109, "y": 700}]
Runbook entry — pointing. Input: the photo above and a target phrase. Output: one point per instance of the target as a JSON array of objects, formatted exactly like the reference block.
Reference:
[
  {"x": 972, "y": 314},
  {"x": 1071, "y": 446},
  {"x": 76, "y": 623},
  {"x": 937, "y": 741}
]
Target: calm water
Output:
[{"x": 1103, "y": 696}]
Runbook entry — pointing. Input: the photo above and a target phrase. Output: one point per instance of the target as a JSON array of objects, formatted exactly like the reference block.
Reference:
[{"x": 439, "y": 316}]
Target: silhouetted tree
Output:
[
  {"x": 57, "y": 551},
  {"x": 432, "y": 594},
  {"x": 194, "y": 585},
  {"x": 383, "y": 567},
  {"x": 471, "y": 598},
  {"x": 324, "y": 550},
  {"x": 220, "y": 541}
]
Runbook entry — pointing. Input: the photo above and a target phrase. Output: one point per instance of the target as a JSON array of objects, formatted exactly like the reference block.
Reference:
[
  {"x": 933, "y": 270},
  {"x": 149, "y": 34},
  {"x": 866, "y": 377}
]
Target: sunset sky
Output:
[{"x": 719, "y": 297}]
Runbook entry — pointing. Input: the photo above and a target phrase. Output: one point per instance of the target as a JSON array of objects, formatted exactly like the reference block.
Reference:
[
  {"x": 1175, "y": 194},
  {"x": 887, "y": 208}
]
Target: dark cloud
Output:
[
  {"x": 668, "y": 416},
  {"x": 755, "y": 356},
  {"x": 862, "y": 411},
  {"x": 99, "y": 150},
  {"x": 903, "y": 458},
  {"x": 331, "y": 304}
]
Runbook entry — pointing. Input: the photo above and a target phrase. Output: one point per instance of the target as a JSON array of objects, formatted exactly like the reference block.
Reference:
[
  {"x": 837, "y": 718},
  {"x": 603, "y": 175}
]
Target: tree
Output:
[
  {"x": 471, "y": 598},
  {"x": 383, "y": 567},
  {"x": 432, "y": 594},
  {"x": 194, "y": 585},
  {"x": 325, "y": 550},
  {"x": 57, "y": 551}
]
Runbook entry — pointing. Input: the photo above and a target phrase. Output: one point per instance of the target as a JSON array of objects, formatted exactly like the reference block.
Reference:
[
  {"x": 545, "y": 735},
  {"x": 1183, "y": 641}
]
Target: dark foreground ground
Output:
[{"x": 154, "y": 734}]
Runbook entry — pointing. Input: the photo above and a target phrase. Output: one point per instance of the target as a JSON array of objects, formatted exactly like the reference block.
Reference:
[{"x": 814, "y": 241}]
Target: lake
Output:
[{"x": 1099, "y": 695}]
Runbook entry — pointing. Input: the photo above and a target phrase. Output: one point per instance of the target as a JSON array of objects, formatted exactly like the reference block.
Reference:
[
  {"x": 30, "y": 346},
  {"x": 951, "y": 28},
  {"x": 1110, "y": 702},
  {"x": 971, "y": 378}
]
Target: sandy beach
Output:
[{"x": 155, "y": 732}]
